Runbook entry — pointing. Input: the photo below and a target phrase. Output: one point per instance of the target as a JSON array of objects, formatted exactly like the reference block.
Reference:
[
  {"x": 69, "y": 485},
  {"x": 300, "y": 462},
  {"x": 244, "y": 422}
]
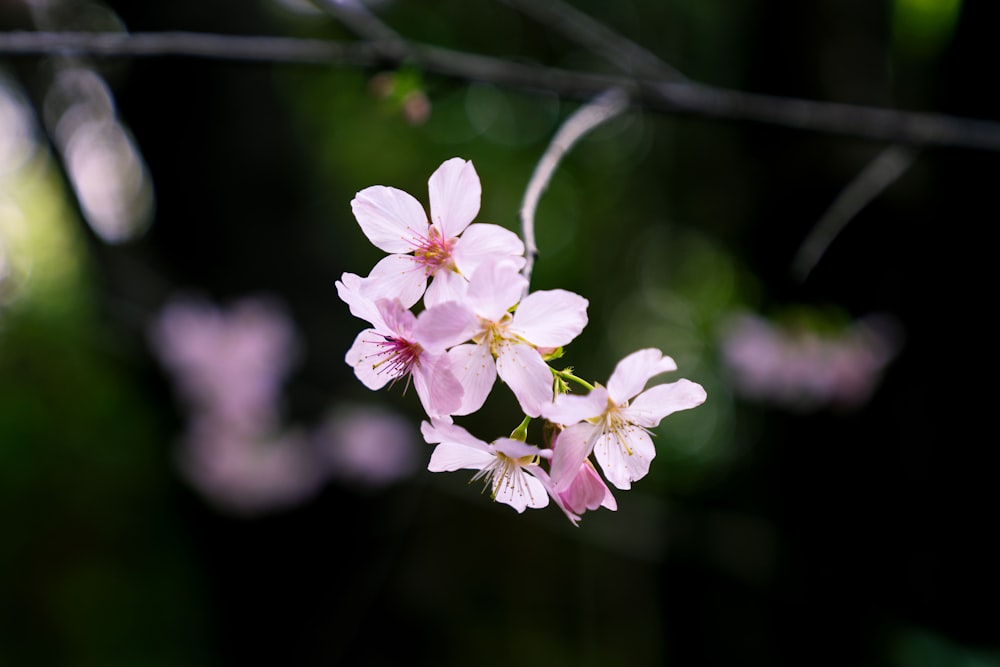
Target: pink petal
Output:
[
  {"x": 481, "y": 242},
  {"x": 588, "y": 491},
  {"x": 399, "y": 321},
  {"x": 445, "y": 325},
  {"x": 657, "y": 402},
  {"x": 439, "y": 390},
  {"x": 572, "y": 448},
  {"x": 634, "y": 371},
  {"x": 455, "y": 194},
  {"x": 569, "y": 409},
  {"x": 550, "y": 318},
  {"x": 546, "y": 481},
  {"x": 475, "y": 369},
  {"x": 493, "y": 288},
  {"x": 527, "y": 375},
  {"x": 391, "y": 219},
  {"x": 396, "y": 277}
]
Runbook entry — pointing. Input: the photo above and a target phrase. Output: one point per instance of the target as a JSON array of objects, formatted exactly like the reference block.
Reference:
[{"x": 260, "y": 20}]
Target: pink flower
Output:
[
  {"x": 586, "y": 491},
  {"x": 508, "y": 467},
  {"x": 391, "y": 350},
  {"x": 504, "y": 344},
  {"x": 395, "y": 222},
  {"x": 605, "y": 422}
]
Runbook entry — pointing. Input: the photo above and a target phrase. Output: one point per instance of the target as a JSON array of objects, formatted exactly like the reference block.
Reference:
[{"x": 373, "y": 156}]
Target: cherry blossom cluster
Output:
[{"x": 450, "y": 312}]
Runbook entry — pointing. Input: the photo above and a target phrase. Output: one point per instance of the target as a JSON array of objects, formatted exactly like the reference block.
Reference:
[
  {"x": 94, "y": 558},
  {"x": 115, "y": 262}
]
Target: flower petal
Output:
[
  {"x": 520, "y": 490},
  {"x": 366, "y": 357},
  {"x": 393, "y": 220},
  {"x": 570, "y": 451},
  {"x": 527, "y": 375},
  {"x": 446, "y": 285},
  {"x": 550, "y": 318},
  {"x": 451, "y": 456},
  {"x": 569, "y": 409},
  {"x": 445, "y": 325},
  {"x": 350, "y": 290},
  {"x": 516, "y": 449},
  {"x": 493, "y": 288},
  {"x": 657, "y": 402},
  {"x": 475, "y": 369},
  {"x": 455, "y": 193},
  {"x": 546, "y": 481},
  {"x": 396, "y": 277},
  {"x": 623, "y": 466},
  {"x": 437, "y": 431},
  {"x": 588, "y": 491},
  {"x": 439, "y": 390},
  {"x": 634, "y": 371},
  {"x": 483, "y": 241}
]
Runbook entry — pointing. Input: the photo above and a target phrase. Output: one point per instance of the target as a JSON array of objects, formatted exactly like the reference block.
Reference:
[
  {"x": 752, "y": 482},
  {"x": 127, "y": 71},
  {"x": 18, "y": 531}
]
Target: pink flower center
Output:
[
  {"x": 396, "y": 356},
  {"x": 434, "y": 252}
]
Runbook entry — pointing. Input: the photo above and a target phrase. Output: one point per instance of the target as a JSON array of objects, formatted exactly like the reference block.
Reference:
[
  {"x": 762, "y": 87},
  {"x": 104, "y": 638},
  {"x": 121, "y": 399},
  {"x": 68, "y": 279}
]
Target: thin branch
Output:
[
  {"x": 621, "y": 51},
  {"x": 366, "y": 25},
  {"x": 688, "y": 98},
  {"x": 880, "y": 173},
  {"x": 586, "y": 118}
]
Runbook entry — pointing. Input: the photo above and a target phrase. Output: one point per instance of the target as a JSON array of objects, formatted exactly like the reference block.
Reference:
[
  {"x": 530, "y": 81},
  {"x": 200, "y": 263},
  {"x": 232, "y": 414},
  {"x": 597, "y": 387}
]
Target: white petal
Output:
[
  {"x": 450, "y": 456},
  {"x": 445, "y": 325},
  {"x": 520, "y": 490},
  {"x": 364, "y": 356},
  {"x": 455, "y": 194},
  {"x": 550, "y": 318},
  {"x": 569, "y": 409},
  {"x": 475, "y": 369},
  {"x": 493, "y": 288},
  {"x": 446, "y": 285},
  {"x": 481, "y": 242},
  {"x": 634, "y": 371},
  {"x": 439, "y": 390},
  {"x": 396, "y": 277},
  {"x": 657, "y": 402},
  {"x": 572, "y": 447},
  {"x": 623, "y": 466},
  {"x": 516, "y": 449},
  {"x": 437, "y": 431},
  {"x": 527, "y": 375},
  {"x": 391, "y": 219}
]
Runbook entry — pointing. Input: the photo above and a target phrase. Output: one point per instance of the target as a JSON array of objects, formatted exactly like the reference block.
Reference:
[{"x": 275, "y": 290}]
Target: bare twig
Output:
[
  {"x": 624, "y": 53},
  {"x": 586, "y": 118},
  {"x": 689, "y": 98},
  {"x": 880, "y": 173},
  {"x": 364, "y": 23}
]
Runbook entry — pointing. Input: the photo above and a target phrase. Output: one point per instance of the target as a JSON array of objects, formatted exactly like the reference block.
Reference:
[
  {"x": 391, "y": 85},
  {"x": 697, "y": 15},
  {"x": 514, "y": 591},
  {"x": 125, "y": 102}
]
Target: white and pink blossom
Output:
[
  {"x": 613, "y": 421},
  {"x": 390, "y": 351},
  {"x": 446, "y": 249},
  {"x": 508, "y": 467},
  {"x": 504, "y": 343}
]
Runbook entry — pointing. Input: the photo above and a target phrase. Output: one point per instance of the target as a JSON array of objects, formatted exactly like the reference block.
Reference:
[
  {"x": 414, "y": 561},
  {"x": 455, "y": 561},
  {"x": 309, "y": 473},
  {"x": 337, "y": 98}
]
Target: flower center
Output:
[
  {"x": 434, "y": 252},
  {"x": 395, "y": 356},
  {"x": 505, "y": 474}
]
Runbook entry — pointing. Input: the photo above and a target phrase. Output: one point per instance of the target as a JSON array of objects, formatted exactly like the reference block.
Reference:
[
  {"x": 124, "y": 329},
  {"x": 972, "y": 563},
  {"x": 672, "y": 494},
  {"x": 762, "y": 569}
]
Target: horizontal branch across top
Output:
[{"x": 670, "y": 96}]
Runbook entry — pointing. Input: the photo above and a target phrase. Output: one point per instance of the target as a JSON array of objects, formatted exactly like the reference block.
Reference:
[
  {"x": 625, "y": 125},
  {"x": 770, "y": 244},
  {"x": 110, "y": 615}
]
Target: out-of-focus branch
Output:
[
  {"x": 685, "y": 97},
  {"x": 625, "y": 54},
  {"x": 586, "y": 118},
  {"x": 880, "y": 173}
]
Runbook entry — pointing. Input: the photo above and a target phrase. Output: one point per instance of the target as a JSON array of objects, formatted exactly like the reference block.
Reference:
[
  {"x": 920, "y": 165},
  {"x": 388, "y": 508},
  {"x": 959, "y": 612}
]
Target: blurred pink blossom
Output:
[
  {"x": 804, "y": 368},
  {"x": 229, "y": 363},
  {"x": 369, "y": 446}
]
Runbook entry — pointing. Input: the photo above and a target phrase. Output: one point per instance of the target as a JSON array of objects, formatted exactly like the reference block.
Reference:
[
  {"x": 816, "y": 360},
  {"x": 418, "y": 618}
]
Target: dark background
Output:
[{"x": 833, "y": 537}]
